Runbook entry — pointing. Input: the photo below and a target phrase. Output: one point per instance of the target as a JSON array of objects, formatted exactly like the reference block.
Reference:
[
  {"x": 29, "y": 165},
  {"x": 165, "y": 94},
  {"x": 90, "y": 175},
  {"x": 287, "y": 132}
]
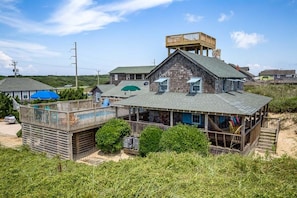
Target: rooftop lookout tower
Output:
[{"x": 196, "y": 41}]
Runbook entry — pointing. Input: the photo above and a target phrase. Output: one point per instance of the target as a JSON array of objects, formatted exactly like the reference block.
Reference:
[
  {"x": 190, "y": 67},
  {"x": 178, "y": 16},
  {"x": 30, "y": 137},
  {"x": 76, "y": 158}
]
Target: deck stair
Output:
[{"x": 267, "y": 140}]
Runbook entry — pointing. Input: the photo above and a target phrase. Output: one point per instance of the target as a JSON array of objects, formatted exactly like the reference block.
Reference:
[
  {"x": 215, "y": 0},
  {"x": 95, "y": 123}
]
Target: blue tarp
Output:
[{"x": 45, "y": 95}]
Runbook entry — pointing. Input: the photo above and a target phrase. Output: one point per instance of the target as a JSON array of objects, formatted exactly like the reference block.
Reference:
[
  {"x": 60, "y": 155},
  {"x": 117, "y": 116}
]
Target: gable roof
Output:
[
  {"x": 103, "y": 88},
  {"x": 132, "y": 70},
  {"x": 212, "y": 65},
  {"x": 272, "y": 72},
  {"x": 22, "y": 84},
  {"x": 117, "y": 92},
  {"x": 232, "y": 103}
]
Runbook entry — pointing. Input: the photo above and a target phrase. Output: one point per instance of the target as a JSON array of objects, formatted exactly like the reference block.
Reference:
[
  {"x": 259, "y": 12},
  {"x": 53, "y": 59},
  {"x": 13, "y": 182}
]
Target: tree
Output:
[
  {"x": 149, "y": 140},
  {"x": 6, "y": 105},
  {"x": 109, "y": 137},
  {"x": 72, "y": 94},
  {"x": 184, "y": 138}
]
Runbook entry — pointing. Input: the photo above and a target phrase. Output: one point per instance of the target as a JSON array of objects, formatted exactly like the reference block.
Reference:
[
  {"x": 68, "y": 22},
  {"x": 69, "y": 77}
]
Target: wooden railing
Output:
[
  {"x": 217, "y": 138},
  {"x": 191, "y": 38}
]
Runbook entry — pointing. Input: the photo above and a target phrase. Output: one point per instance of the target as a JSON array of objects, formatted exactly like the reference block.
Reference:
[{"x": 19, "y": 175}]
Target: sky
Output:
[{"x": 40, "y": 36}]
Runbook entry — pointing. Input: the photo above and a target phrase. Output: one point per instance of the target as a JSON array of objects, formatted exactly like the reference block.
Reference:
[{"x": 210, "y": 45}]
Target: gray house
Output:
[
  {"x": 23, "y": 88},
  {"x": 201, "y": 91},
  {"x": 129, "y": 73}
]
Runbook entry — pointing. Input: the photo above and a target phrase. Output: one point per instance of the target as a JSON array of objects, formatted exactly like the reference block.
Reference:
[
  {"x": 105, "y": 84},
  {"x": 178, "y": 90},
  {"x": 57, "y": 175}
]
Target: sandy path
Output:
[{"x": 8, "y": 136}]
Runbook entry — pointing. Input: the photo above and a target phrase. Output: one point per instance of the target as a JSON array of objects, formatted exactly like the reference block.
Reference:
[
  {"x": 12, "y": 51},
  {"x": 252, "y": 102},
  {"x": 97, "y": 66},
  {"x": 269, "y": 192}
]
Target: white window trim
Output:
[
  {"x": 162, "y": 82},
  {"x": 116, "y": 77},
  {"x": 192, "y": 82}
]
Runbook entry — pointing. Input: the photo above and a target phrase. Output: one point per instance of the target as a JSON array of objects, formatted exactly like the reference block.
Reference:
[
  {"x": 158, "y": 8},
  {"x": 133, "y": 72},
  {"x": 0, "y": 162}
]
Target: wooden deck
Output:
[{"x": 191, "y": 41}]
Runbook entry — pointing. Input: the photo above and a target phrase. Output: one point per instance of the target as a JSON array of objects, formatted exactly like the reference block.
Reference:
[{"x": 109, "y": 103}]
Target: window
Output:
[
  {"x": 196, "y": 118},
  {"x": 138, "y": 76},
  {"x": 131, "y": 77},
  {"x": 116, "y": 77},
  {"x": 195, "y": 85},
  {"x": 163, "y": 84}
]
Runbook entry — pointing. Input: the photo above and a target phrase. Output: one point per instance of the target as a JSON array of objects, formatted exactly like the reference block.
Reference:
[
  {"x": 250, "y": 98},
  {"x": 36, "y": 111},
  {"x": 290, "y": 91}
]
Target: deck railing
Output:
[
  {"x": 66, "y": 120},
  {"x": 191, "y": 38}
]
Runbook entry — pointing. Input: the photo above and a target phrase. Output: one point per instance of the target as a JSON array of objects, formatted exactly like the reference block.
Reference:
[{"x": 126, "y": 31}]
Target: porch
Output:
[{"x": 226, "y": 133}]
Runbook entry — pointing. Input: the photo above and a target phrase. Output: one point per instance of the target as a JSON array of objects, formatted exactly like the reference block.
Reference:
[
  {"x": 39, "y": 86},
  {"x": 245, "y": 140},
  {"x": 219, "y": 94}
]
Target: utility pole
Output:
[
  {"x": 98, "y": 77},
  {"x": 14, "y": 63},
  {"x": 75, "y": 63}
]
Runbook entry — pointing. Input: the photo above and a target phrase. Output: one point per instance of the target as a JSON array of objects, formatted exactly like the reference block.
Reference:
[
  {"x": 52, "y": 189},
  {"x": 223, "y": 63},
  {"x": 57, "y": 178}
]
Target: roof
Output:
[
  {"x": 132, "y": 70},
  {"x": 117, "y": 92},
  {"x": 243, "y": 70},
  {"x": 103, "y": 88},
  {"x": 235, "y": 103},
  {"x": 212, "y": 65},
  {"x": 22, "y": 84},
  {"x": 272, "y": 72}
]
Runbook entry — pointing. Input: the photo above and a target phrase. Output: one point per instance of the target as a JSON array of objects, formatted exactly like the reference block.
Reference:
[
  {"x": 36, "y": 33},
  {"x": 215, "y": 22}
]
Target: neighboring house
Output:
[
  {"x": 23, "y": 88},
  {"x": 117, "y": 93},
  {"x": 129, "y": 73},
  {"x": 202, "y": 91},
  {"x": 275, "y": 74},
  {"x": 99, "y": 90},
  {"x": 244, "y": 71}
]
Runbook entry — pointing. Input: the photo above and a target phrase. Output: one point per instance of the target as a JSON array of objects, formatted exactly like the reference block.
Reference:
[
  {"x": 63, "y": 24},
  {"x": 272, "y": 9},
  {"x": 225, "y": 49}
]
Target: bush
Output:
[
  {"x": 149, "y": 140},
  {"x": 184, "y": 138},
  {"x": 109, "y": 137}
]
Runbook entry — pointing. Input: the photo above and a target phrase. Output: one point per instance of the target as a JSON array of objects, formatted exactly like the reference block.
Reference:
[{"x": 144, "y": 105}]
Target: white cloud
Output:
[
  {"x": 193, "y": 18},
  {"x": 25, "y": 49},
  {"x": 5, "y": 60},
  {"x": 75, "y": 16},
  {"x": 225, "y": 17},
  {"x": 245, "y": 40}
]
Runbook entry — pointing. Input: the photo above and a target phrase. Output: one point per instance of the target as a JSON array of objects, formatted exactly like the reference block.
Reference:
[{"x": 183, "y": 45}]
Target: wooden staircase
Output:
[{"x": 267, "y": 140}]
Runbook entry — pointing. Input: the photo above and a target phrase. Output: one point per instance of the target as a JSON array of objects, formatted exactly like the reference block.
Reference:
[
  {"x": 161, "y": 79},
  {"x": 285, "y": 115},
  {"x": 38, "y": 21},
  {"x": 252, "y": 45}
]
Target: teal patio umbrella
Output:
[{"x": 130, "y": 88}]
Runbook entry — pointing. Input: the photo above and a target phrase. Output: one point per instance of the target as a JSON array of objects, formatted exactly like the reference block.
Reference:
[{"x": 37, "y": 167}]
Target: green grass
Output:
[
  {"x": 284, "y": 96},
  {"x": 25, "y": 174}
]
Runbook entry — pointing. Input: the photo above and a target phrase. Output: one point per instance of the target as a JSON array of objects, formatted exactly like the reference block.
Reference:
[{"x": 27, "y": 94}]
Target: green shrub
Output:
[
  {"x": 184, "y": 138},
  {"x": 109, "y": 137},
  {"x": 149, "y": 140}
]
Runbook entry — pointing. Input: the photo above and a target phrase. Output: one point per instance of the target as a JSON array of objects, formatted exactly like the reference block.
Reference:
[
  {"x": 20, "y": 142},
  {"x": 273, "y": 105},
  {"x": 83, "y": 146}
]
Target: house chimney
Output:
[{"x": 216, "y": 53}]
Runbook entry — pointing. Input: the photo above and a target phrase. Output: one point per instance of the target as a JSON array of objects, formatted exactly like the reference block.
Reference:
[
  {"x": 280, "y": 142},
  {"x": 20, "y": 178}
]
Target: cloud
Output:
[
  {"x": 245, "y": 40},
  {"x": 75, "y": 16},
  {"x": 224, "y": 17},
  {"x": 193, "y": 18},
  {"x": 5, "y": 60}
]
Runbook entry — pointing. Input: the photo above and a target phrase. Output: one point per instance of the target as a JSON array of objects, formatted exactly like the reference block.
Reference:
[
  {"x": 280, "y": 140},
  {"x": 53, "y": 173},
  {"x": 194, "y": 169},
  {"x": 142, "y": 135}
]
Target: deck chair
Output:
[{"x": 235, "y": 139}]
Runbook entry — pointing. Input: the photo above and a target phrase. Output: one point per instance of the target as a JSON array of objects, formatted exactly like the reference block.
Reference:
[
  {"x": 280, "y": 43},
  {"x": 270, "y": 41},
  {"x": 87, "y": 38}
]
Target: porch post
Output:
[
  {"x": 137, "y": 114},
  {"x": 129, "y": 113},
  {"x": 242, "y": 132},
  {"x": 171, "y": 118},
  {"x": 206, "y": 123}
]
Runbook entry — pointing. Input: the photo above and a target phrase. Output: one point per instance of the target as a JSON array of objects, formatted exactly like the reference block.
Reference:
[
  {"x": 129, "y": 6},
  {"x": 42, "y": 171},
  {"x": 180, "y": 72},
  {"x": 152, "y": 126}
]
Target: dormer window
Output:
[
  {"x": 195, "y": 85},
  {"x": 163, "y": 84}
]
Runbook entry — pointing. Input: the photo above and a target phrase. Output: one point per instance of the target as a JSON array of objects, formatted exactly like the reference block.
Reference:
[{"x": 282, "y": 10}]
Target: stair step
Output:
[
  {"x": 267, "y": 133},
  {"x": 267, "y": 141},
  {"x": 267, "y": 138},
  {"x": 265, "y": 144},
  {"x": 268, "y": 130},
  {"x": 265, "y": 150}
]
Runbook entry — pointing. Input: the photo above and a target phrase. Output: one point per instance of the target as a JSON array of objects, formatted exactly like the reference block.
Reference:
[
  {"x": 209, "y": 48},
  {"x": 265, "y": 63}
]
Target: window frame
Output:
[
  {"x": 197, "y": 83},
  {"x": 199, "y": 119}
]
